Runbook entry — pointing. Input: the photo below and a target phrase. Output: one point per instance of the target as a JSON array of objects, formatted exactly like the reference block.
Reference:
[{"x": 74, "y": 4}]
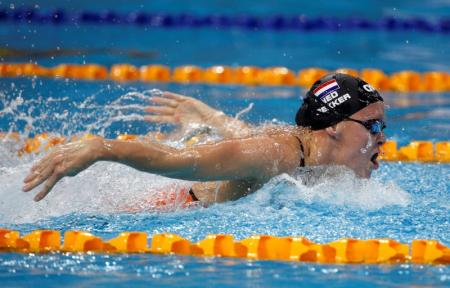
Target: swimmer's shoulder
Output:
[
  {"x": 280, "y": 145},
  {"x": 291, "y": 143}
]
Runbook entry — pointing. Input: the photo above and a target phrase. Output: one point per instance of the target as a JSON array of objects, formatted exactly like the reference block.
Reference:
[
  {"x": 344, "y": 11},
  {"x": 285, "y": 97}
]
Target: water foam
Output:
[
  {"x": 102, "y": 189},
  {"x": 332, "y": 186},
  {"x": 113, "y": 188}
]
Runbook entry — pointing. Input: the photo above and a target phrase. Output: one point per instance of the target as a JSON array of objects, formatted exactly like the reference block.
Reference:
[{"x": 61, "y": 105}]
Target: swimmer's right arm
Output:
[
  {"x": 179, "y": 110},
  {"x": 252, "y": 159}
]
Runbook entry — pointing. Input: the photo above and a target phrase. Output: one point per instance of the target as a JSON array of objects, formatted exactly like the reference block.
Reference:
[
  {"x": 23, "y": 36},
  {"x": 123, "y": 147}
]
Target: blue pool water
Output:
[{"x": 403, "y": 201}]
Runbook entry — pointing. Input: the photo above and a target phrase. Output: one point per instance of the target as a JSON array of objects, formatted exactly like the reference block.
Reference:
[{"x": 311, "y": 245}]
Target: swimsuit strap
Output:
[
  {"x": 302, "y": 158},
  {"x": 194, "y": 198}
]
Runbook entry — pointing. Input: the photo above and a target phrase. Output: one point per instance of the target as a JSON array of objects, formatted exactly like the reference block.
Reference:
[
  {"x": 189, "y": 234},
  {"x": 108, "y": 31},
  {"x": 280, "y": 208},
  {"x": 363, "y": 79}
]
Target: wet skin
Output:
[
  {"x": 355, "y": 145},
  {"x": 242, "y": 165}
]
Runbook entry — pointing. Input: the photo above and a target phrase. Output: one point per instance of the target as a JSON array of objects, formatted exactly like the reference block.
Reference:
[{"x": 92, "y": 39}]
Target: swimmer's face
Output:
[{"x": 358, "y": 149}]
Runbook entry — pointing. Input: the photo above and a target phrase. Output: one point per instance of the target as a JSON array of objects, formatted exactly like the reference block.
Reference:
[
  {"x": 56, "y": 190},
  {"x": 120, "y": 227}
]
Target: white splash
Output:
[
  {"x": 103, "y": 188},
  {"x": 336, "y": 186}
]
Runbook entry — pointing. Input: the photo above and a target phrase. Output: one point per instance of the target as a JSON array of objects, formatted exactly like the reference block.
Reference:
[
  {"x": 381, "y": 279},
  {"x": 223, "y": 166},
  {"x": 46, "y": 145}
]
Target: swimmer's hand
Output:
[
  {"x": 65, "y": 160},
  {"x": 184, "y": 111},
  {"x": 180, "y": 110}
]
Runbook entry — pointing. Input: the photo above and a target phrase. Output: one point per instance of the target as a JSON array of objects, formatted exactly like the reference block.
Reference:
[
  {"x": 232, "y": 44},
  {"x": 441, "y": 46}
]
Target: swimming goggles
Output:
[{"x": 374, "y": 126}]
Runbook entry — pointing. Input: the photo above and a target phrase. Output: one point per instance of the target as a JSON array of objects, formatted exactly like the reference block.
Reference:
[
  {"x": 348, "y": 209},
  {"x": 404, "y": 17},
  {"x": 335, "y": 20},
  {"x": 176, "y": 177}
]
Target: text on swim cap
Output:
[
  {"x": 329, "y": 97},
  {"x": 332, "y": 100},
  {"x": 338, "y": 101},
  {"x": 368, "y": 88}
]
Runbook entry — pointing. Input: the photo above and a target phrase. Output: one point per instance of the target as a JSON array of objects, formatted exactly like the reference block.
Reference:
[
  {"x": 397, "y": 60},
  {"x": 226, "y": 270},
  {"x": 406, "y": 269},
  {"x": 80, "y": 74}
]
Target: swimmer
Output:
[{"x": 340, "y": 122}]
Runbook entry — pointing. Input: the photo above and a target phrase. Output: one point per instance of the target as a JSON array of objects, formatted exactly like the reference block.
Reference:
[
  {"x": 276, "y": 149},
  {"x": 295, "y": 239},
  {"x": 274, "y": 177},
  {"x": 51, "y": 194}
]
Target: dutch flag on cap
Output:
[{"x": 326, "y": 88}]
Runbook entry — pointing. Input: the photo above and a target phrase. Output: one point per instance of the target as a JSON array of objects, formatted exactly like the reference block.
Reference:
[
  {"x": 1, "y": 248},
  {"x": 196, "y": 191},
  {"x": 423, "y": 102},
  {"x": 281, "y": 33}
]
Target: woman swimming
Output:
[{"x": 339, "y": 123}]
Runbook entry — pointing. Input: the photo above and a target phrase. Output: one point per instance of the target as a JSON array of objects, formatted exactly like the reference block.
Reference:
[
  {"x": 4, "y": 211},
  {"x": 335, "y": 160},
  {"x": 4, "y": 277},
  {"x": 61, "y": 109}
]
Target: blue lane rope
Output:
[{"x": 250, "y": 22}]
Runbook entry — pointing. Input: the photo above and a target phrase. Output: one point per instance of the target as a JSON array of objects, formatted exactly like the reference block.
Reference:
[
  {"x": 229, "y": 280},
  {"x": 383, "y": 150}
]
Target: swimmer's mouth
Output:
[{"x": 374, "y": 160}]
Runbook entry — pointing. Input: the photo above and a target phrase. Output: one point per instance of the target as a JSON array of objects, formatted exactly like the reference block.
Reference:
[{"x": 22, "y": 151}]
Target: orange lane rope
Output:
[
  {"x": 402, "y": 81},
  {"x": 259, "y": 247}
]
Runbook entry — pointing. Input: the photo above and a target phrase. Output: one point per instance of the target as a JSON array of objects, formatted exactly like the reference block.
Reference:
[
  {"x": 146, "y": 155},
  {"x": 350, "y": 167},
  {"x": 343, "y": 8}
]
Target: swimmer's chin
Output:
[{"x": 367, "y": 173}]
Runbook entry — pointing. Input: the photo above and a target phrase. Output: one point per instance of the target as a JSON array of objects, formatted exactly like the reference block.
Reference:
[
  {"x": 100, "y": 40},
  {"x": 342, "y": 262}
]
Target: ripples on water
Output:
[
  {"x": 392, "y": 204},
  {"x": 169, "y": 271},
  {"x": 402, "y": 201}
]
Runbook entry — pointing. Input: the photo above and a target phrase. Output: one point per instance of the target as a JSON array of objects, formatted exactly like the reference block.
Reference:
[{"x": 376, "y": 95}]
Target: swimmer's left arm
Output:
[
  {"x": 254, "y": 159},
  {"x": 251, "y": 159}
]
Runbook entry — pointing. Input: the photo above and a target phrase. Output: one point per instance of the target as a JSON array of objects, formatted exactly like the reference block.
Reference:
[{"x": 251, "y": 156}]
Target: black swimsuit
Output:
[{"x": 302, "y": 160}]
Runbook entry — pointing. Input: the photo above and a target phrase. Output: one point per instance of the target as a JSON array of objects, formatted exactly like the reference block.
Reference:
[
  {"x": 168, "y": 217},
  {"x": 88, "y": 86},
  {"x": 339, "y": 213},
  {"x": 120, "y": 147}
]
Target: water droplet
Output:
[{"x": 156, "y": 93}]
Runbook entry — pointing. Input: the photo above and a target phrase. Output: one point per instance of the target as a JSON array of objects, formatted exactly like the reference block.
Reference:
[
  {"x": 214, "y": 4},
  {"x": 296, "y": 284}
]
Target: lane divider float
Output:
[
  {"x": 243, "y": 21},
  {"x": 415, "y": 151},
  {"x": 402, "y": 81},
  {"x": 258, "y": 247},
  {"x": 418, "y": 151}
]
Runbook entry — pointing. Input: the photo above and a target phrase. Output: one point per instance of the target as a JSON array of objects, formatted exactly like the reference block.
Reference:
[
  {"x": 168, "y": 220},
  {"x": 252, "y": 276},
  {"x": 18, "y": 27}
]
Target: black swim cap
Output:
[{"x": 333, "y": 98}]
